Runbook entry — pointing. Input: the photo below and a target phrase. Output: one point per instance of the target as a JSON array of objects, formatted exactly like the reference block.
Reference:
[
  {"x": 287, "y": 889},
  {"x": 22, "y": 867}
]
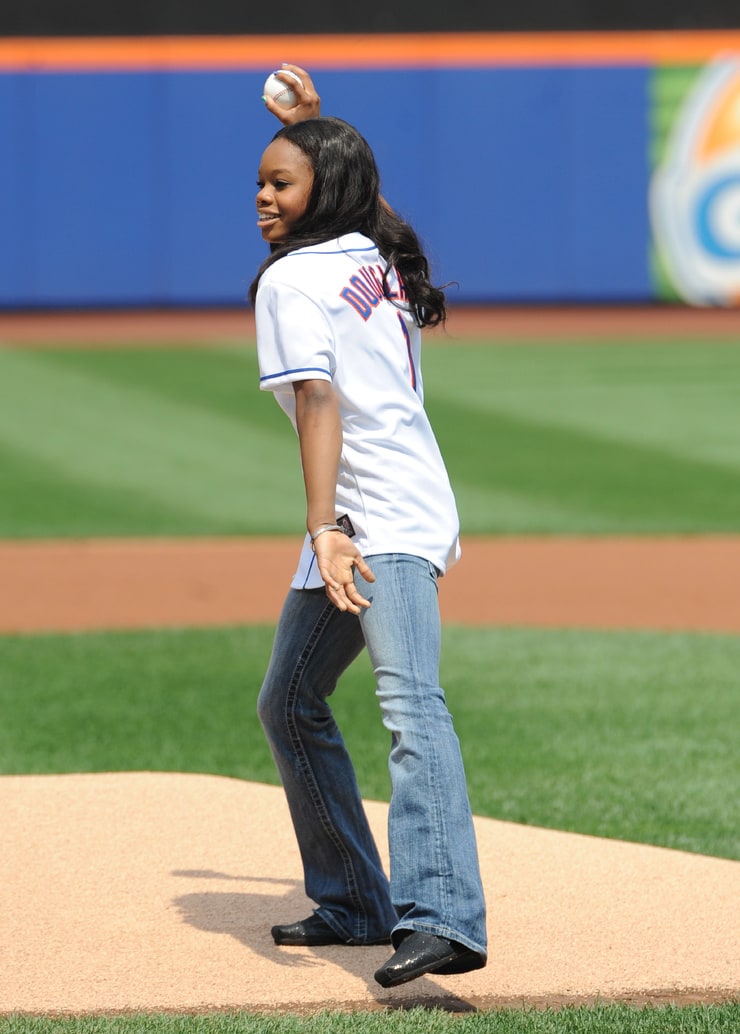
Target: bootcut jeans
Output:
[{"x": 435, "y": 884}]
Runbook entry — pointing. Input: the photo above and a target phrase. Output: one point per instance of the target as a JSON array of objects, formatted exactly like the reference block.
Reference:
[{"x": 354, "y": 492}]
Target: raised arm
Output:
[{"x": 308, "y": 102}]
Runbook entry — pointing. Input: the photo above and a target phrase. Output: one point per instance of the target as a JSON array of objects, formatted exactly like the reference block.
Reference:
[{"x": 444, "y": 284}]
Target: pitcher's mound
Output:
[{"x": 151, "y": 891}]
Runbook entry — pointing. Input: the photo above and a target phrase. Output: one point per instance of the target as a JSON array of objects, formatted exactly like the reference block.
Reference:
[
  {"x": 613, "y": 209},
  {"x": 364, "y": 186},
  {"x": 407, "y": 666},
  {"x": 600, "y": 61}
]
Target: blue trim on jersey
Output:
[
  {"x": 308, "y": 252},
  {"x": 309, "y": 572},
  {"x": 298, "y": 369}
]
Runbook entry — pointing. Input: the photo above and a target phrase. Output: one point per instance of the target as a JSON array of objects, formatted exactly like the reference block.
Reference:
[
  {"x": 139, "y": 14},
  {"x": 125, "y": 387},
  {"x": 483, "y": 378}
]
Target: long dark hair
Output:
[{"x": 345, "y": 198}]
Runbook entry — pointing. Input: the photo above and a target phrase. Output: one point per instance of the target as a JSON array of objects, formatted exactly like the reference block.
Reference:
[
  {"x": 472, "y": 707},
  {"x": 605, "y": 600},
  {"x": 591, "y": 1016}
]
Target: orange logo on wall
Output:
[{"x": 695, "y": 192}]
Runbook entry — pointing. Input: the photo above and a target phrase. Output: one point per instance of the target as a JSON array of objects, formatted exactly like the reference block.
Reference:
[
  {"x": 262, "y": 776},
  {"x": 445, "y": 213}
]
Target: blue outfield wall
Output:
[{"x": 137, "y": 188}]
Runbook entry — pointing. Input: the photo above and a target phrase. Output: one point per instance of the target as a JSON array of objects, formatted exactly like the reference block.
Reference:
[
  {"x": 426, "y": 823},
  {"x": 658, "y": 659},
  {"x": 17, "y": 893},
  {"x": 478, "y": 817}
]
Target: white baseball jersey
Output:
[{"x": 321, "y": 314}]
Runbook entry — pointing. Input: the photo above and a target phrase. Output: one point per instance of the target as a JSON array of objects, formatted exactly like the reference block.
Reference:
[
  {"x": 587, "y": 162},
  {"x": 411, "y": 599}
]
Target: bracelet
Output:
[{"x": 322, "y": 529}]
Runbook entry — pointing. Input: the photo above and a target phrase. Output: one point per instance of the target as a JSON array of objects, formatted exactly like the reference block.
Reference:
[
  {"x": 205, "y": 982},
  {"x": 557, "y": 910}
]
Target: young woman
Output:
[{"x": 339, "y": 304}]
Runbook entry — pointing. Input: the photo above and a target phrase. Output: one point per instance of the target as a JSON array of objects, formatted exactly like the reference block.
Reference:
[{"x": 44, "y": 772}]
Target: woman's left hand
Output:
[
  {"x": 337, "y": 557},
  {"x": 308, "y": 102}
]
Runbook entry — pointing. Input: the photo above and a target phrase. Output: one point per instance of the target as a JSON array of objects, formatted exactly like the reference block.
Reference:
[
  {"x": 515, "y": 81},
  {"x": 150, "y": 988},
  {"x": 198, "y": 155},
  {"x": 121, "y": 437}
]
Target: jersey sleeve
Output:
[{"x": 294, "y": 339}]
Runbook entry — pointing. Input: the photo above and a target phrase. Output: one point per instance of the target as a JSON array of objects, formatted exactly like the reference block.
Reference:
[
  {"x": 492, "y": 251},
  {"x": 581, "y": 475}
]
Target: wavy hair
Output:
[{"x": 345, "y": 198}]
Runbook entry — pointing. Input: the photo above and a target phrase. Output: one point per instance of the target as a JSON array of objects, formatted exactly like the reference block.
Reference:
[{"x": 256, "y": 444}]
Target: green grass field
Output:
[
  {"x": 720, "y": 1019},
  {"x": 622, "y": 735},
  {"x": 545, "y": 438},
  {"x": 627, "y": 735}
]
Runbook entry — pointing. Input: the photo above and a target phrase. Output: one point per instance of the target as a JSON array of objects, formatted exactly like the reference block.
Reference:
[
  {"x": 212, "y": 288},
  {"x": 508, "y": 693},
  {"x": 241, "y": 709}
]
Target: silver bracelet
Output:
[{"x": 322, "y": 529}]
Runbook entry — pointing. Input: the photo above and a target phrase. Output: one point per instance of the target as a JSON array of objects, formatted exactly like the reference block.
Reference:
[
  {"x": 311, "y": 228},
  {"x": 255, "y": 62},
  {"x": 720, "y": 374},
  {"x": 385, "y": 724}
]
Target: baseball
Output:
[{"x": 279, "y": 91}]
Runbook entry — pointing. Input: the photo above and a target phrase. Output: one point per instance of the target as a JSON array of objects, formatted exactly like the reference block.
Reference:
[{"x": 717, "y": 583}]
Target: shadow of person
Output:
[
  {"x": 212, "y": 874},
  {"x": 248, "y": 915}
]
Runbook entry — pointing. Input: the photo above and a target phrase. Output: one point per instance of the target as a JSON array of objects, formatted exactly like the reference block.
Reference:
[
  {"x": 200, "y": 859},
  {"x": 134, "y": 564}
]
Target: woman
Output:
[{"x": 339, "y": 304}]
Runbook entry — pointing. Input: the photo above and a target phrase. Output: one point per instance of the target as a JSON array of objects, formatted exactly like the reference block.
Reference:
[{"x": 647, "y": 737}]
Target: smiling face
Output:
[{"x": 285, "y": 179}]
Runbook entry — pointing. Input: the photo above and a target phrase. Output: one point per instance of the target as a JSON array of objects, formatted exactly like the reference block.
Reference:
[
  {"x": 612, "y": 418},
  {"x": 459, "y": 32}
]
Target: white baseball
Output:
[{"x": 280, "y": 91}]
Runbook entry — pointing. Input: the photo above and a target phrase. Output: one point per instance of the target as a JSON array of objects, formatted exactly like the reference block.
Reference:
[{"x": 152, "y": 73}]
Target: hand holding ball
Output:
[
  {"x": 280, "y": 91},
  {"x": 295, "y": 99}
]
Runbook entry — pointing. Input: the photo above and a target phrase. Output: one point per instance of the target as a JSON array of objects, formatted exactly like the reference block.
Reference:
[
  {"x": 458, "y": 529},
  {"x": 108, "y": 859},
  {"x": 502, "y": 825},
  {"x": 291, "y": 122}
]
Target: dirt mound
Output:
[{"x": 151, "y": 891}]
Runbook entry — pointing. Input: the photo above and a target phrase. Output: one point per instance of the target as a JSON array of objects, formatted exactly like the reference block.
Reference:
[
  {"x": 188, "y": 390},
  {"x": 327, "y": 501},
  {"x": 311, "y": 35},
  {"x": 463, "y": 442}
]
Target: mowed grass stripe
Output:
[
  {"x": 680, "y": 398},
  {"x": 218, "y": 379},
  {"x": 623, "y": 735},
  {"x": 594, "y": 484},
  {"x": 591, "y": 438},
  {"x": 167, "y": 456},
  {"x": 538, "y": 438},
  {"x": 37, "y": 499}
]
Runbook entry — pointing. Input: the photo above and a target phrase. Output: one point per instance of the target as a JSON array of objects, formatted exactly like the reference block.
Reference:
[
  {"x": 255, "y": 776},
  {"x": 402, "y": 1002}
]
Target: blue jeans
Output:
[{"x": 435, "y": 884}]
